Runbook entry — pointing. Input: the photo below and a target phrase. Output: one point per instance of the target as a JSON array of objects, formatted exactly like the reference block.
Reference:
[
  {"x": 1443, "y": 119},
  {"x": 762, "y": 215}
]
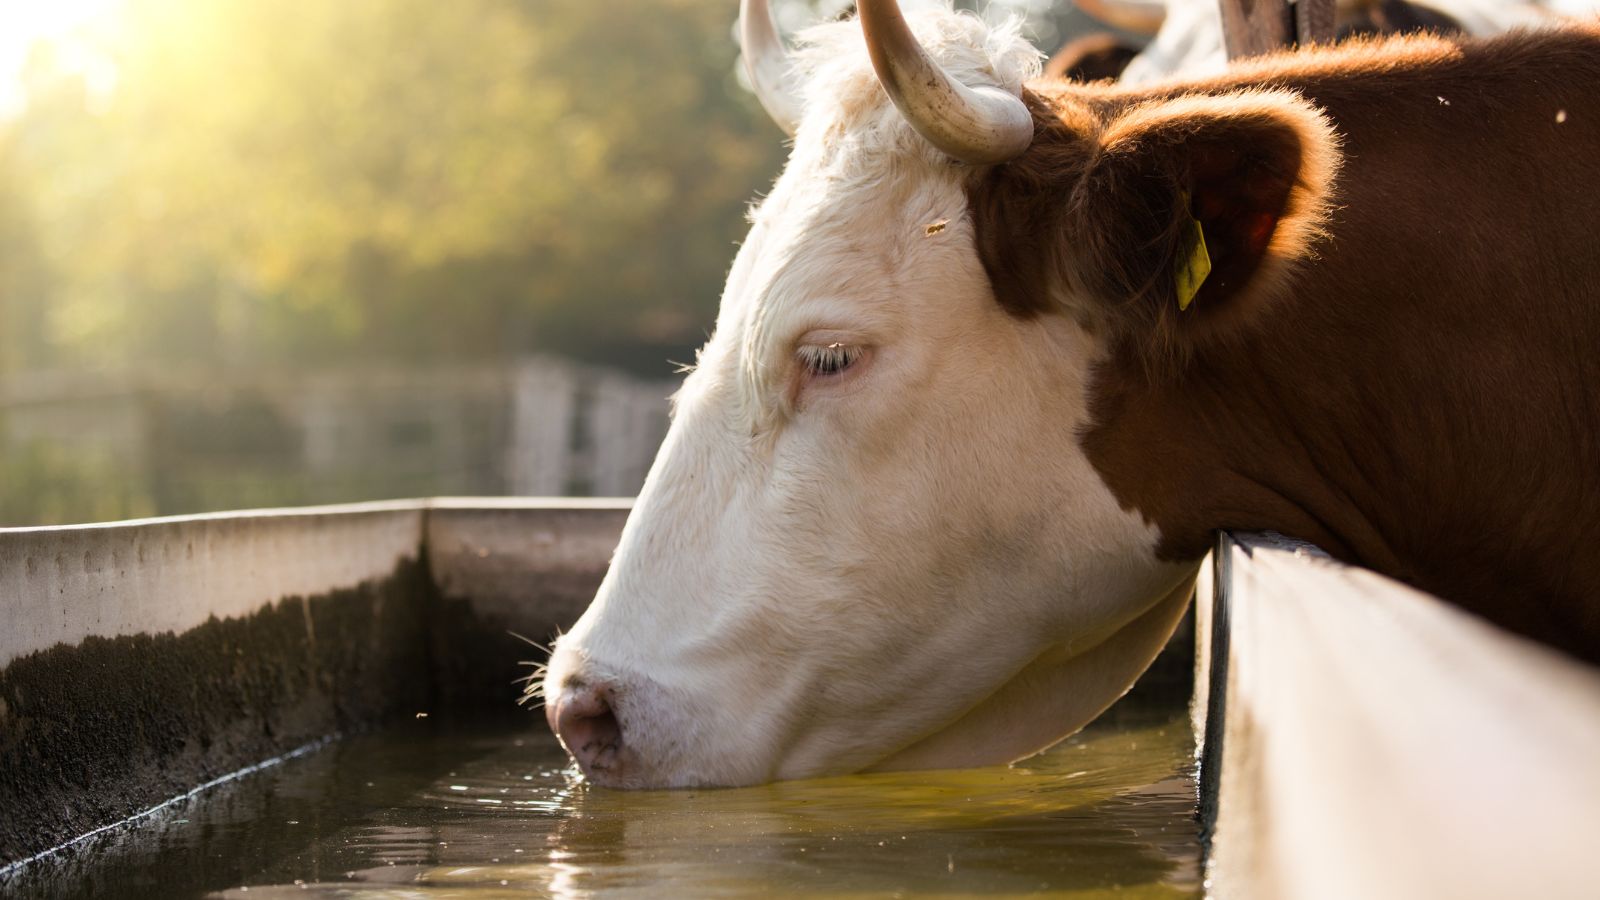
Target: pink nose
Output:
[{"x": 584, "y": 721}]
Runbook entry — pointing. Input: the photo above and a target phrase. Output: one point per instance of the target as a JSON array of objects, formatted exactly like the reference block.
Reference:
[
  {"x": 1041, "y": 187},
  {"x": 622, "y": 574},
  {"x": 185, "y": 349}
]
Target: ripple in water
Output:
[{"x": 425, "y": 811}]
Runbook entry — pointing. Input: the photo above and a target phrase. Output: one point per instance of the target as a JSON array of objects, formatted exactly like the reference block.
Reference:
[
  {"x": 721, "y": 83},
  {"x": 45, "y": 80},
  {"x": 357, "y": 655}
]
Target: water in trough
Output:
[{"x": 426, "y": 810}]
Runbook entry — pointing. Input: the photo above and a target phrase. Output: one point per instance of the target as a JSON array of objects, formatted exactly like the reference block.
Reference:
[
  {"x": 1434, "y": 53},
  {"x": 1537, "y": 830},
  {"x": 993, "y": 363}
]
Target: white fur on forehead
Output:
[{"x": 841, "y": 93}]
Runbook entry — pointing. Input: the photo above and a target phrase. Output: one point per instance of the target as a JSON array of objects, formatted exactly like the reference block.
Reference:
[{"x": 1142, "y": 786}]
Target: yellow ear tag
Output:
[{"x": 1192, "y": 272}]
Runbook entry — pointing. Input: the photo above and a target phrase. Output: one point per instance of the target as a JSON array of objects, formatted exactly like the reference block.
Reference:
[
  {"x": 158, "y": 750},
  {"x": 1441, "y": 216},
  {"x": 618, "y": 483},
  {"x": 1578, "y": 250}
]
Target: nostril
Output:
[{"x": 587, "y": 726}]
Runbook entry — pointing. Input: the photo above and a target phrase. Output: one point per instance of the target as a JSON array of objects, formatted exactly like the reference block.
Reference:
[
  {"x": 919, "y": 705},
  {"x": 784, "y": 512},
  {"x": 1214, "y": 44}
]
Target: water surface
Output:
[{"x": 426, "y": 811}]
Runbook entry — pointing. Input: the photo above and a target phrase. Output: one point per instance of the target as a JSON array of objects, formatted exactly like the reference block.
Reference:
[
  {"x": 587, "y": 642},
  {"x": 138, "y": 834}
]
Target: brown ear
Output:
[{"x": 1254, "y": 169}]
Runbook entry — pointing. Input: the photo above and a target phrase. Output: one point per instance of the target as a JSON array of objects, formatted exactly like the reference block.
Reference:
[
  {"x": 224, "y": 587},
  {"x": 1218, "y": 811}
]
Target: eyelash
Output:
[{"x": 828, "y": 361}]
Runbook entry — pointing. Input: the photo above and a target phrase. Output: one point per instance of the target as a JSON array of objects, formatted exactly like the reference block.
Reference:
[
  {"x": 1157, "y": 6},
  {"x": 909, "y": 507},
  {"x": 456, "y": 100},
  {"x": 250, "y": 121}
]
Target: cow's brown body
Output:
[{"x": 1421, "y": 392}]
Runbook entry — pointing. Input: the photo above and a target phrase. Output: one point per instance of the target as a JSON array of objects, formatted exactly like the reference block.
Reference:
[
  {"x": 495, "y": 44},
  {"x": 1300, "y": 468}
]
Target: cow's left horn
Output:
[
  {"x": 767, "y": 63},
  {"x": 975, "y": 125}
]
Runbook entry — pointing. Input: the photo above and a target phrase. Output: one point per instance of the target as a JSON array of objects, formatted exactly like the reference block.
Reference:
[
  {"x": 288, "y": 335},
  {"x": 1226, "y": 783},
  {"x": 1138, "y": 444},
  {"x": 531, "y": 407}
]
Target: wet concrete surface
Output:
[{"x": 98, "y": 731}]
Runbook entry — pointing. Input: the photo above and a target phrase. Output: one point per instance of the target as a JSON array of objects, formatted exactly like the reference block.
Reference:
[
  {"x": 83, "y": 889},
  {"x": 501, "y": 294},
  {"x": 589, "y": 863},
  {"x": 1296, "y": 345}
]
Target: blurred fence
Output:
[{"x": 80, "y": 448}]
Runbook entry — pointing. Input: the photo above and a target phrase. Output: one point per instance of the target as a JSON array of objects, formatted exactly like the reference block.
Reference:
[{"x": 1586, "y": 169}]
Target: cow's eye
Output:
[{"x": 823, "y": 360}]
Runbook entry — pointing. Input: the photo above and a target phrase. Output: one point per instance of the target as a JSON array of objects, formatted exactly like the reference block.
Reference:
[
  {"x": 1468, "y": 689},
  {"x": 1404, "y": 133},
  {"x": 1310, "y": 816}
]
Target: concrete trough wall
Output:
[
  {"x": 141, "y": 659},
  {"x": 1367, "y": 740},
  {"x": 506, "y": 568}
]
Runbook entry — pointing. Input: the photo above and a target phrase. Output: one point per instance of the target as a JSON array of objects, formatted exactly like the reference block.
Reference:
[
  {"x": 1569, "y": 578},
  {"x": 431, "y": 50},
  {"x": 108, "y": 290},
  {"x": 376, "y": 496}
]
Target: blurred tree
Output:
[
  {"x": 24, "y": 279},
  {"x": 263, "y": 181},
  {"x": 204, "y": 185}
]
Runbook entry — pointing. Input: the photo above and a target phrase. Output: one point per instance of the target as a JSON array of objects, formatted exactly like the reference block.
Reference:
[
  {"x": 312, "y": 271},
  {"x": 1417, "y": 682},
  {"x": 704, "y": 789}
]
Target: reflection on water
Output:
[{"x": 423, "y": 811}]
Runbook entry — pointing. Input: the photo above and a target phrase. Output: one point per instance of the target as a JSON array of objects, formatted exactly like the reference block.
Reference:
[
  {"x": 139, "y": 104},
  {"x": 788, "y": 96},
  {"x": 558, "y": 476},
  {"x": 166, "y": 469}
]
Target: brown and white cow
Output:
[
  {"x": 1186, "y": 36},
  {"x": 971, "y": 415},
  {"x": 1191, "y": 41}
]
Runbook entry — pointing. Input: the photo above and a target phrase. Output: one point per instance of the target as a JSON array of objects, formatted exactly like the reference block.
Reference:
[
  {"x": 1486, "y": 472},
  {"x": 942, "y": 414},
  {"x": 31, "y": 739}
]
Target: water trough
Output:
[
  {"x": 1363, "y": 739},
  {"x": 142, "y": 659},
  {"x": 1357, "y": 738}
]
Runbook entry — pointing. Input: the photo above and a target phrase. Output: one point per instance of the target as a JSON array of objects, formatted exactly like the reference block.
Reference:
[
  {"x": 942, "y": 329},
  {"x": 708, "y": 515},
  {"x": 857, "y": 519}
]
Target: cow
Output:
[
  {"x": 1198, "y": 29},
  {"x": 1096, "y": 56},
  {"x": 1186, "y": 35},
  {"x": 1000, "y": 357}
]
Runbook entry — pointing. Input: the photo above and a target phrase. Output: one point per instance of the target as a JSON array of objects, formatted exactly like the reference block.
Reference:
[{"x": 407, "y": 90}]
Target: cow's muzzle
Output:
[{"x": 584, "y": 717}]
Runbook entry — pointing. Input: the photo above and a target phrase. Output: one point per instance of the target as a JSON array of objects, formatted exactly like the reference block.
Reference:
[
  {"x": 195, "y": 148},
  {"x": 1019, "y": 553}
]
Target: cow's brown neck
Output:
[{"x": 1424, "y": 398}]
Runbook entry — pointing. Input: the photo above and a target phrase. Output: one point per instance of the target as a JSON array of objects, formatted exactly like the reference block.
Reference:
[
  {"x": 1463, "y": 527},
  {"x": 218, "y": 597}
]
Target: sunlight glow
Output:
[{"x": 69, "y": 25}]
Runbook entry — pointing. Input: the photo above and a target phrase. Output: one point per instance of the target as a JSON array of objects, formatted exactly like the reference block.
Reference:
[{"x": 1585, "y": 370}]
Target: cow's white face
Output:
[{"x": 871, "y": 538}]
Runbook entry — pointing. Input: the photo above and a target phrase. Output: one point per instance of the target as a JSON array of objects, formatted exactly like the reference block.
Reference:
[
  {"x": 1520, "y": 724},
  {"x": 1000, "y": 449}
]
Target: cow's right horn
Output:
[
  {"x": 976, "y": 125},
  {"x": 767, "y": 63}
]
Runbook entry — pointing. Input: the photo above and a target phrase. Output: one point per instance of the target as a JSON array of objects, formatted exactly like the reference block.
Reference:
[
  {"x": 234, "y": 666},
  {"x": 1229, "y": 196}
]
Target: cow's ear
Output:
[
  {"x": 1165, "y": 226},
  {"x": 1195, "y": 211}
]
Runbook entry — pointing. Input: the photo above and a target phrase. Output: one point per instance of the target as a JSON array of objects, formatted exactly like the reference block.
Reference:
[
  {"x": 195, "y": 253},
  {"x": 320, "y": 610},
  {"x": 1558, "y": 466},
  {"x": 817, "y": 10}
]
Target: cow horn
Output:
[
  {"x": 975, "y": 125},
  {"x": 1138, "y": 16},
  {"x": 767, "y": 64}
]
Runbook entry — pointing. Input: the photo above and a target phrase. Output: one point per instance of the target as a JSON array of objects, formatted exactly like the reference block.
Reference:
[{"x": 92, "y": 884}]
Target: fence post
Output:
[
  {"x": 1254, "y": 27},
  {"x": 1313, "y": 21}
]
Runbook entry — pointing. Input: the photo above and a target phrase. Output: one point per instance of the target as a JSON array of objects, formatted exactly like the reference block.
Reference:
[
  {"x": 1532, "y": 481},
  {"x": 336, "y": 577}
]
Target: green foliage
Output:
[
  {"x": 46, "y": 483},
  {"x": 271, "y": 182}
]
